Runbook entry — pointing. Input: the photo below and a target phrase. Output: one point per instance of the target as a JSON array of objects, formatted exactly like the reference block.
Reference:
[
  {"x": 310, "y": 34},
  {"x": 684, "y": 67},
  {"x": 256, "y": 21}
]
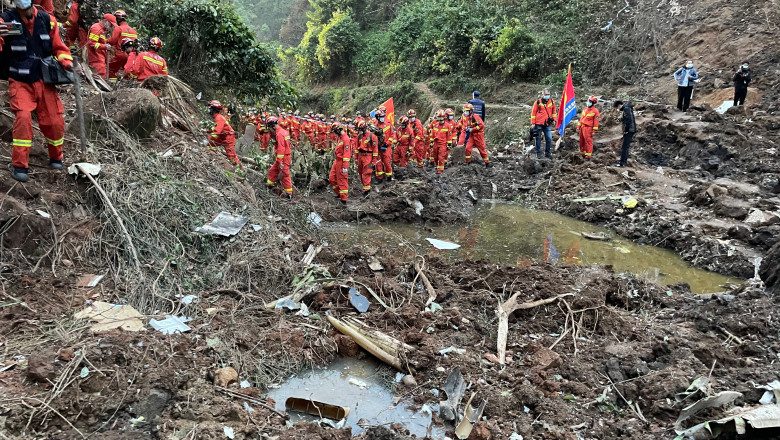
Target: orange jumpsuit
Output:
[
  {"x": 119, "y": 60},
  {"x": 46, "y": 5},
  {"x": 307, "y": 126},
  {"x": 385, "y": 165},
  {"x": 97, "y": 50},
  {"x": 28, "y": 92},
  {"x": 224, "y": 136},
  {"x": 283, "y": 158},
  {"x": 75, "y": 35},
  {"x": 321, "y": 135},
  {"x": 339, "y": 180},
  {"x": 419, "y": 143},
  {"x": 588, "y": 125},
  {"x": 145, "y": 64},
  {"x": 368, "y": 154},
  {"x": 295, "y": 129},
  {"x": 442, "y": 142},
  {"x": 404, "y": 148},
  {"x": 477, "y": 136}
]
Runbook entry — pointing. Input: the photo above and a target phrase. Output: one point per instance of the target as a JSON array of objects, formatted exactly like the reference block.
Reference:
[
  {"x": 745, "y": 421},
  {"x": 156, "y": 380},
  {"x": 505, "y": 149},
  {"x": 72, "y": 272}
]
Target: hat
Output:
[
  {"x": 476, "y": 93},
  {"x": 110, "y": 18}
]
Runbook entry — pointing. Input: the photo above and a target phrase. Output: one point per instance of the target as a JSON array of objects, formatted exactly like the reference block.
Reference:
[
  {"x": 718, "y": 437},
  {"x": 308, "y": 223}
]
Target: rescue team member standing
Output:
[
  {"x": 339, "y": 177},
  {"x": 419, "y": 132},
  {"x": 543, "y": 116},
  {"x": 404, "y": 148},
  {"x": 384, "y": 166},
  {"x": 587, "y": 126},
  {"x": 473, "y": 126},
  {"x": 121, "y": 32},
  {"x": 97, "y": 46},
  {"x": 22, "y": 54},
  {"x": 629, "y": 129},
  {"x": 686, "y": 77},
  {"x": 741, "y": 82},
  {"x": 441, "y": 136},
  {"x": 368, "y": 155},
  {"x": 145, "y": 64},
  {"x": 222, "y": 134},
  {"x": 283, "y": 157}
]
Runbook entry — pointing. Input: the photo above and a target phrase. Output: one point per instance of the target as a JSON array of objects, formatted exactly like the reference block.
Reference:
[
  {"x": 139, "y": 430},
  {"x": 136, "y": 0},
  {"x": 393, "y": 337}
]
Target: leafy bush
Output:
[{"x": 336, "y": 44}]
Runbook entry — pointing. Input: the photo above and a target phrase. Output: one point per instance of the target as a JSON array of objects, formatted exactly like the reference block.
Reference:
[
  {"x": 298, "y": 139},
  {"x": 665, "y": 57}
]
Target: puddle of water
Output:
[
  {"x": 370, "y": 399},
  {"x": 509, "y": 234}
]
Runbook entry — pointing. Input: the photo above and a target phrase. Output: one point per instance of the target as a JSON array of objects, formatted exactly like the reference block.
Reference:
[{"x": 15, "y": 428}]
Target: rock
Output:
[
  {"x": 409, "y": 381},
  {"x": 770, "y": 268},
  {"x": 154, "y": 404},
  {"x": 740, "y": 232},
  {"x": 66, "y": 354},
  {"x": 346, "y": 346},
  {"x": 716, "y": 191},
  {"x": 771, "y": 183},
  {"x": 40, "y": 367},
  {"x": 225, "y": 376},
  {"x": 544, "y": 359},
  {"x": 136, "y": 110},
  {"x": 718, "y": 83},
  {"x": 481, "y": 431},
  {"x": 731, "y": 208}
]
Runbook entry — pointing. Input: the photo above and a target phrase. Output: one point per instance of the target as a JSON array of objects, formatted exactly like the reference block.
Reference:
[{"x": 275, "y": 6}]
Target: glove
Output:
[
  {"x": 449, "y": 145},
  {"x": 343, "y": 171}
]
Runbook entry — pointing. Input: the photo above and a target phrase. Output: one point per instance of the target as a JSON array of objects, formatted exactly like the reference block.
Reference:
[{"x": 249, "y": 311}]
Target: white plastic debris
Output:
[
  {"x": 187, "y": 300},
  {"x": 441, "y": 244},
  {"x": 92, "y": 169},
  {"x": 314, "y": 219},
  {"x": 43, "y": 214},
  {"x": 248, "y": 408},
  {"x": 452, "y": 349},
  {"x": 358, "y": 383},
  {"x": 229, "y": 433},
  {"x": 725, "y": 106},
  {"x": 171, "y": 324},
  {"x": 224, "y": 224}
]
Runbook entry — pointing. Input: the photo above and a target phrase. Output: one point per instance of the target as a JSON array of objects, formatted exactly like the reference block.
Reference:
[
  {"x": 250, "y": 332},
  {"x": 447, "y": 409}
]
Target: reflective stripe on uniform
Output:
[
  {"x": 54, "y": 142},
  {"x": 22, "y": 143},
  {"x": 159, "y": 63}
]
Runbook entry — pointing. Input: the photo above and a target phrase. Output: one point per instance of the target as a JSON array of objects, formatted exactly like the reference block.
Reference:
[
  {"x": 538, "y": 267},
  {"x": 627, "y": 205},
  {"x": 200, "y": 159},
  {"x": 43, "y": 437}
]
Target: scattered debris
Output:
[
  {"x": 316, "y": 408},
  {"x": 84, "y": 167},
  {"x": 452, "y": 349},
  {"x": 171, "y": 324},
  {"x": 471, "y": 416},
  {"x": 382, "y": 346},
  {"x": 358, "y": 383},
  {"x": 375, "y": 265},
  {"x": 229, "y": 433},
  {"x": 314, "y": 219},
  {"x": 111, "y": 316},
  {"x": 358, "y": 301},
  {"x": 454, "y": 387},
  {"x": 89, "y": 280},
  {"x": 509, "y": 307},
  {"x": 599, "y": 236},
  {"x": 442, "y": 244},
  {"x": 43, "y": 214},
  {"x": 714, "y": 401},
  {"x": 224, "y": 224}
]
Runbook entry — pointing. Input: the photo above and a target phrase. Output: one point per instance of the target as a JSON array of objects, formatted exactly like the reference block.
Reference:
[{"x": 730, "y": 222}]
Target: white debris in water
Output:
[
  {"x": 441, "y": 244},
  {"x": 359, "y": 383}
]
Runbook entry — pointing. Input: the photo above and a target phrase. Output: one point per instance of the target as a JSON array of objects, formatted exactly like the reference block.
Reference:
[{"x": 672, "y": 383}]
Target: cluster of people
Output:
[
  {"x": 31, "y": 47},
  {"x": 373, "y": 142}
]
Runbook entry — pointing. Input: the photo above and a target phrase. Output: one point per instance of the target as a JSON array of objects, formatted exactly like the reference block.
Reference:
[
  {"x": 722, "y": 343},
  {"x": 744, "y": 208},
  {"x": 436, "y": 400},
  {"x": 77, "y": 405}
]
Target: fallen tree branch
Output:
[
  {"x": 426, "y": 283},
  {"x": 367, "y": 344},
  {"x": 116, "y": 214},
  {"x": 506, "y": 309}
]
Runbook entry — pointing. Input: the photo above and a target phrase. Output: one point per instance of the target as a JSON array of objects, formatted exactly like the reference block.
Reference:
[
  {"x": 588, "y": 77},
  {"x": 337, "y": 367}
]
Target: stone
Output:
[
  {"x": 153, "y": 405},
  {"x": 40, "y": 367},
  {"x": 544, "y": 359},
  {"x": 481, "y": 431},
  {"x": 66, "y": 354},
  {"x": 731, "y": 208},
  {"x": 136, "y": 110},
  {"x": 409, "y": 381},
  {"x": 346, "y": 346},
  {"x": 225, "y": 376}
]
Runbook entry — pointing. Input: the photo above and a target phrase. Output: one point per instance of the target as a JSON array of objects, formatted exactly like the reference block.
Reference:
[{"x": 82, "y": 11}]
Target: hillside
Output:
[{"x": 557, "y": 310}]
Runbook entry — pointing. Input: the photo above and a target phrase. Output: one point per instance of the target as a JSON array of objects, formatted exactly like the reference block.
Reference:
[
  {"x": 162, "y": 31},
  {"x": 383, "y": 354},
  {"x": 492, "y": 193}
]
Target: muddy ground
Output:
[{"x": 711, "y": 201}]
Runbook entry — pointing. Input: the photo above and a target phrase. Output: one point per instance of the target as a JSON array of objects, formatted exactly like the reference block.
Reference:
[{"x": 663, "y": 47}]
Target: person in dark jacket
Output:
[
  {"x": 741, "y": 81},
  {"x": 629, "y": 128}
]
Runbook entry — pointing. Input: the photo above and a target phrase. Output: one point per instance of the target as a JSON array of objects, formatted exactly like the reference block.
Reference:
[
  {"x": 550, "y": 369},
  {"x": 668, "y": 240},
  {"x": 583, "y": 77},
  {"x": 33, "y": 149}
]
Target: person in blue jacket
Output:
[
  {"x": 479, "y": 105},
  {"x": 685, "y": 76}
]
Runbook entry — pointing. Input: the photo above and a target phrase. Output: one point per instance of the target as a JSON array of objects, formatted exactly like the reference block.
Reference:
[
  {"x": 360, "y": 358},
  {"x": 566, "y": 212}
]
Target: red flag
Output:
[
  {"x": 568, "y": 108},
  {"x": 388, "y": 105}
]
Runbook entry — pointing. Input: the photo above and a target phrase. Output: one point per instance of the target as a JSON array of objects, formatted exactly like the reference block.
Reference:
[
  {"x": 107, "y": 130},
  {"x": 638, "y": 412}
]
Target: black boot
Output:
[
  {"x": 55, "y": 164},
  {"x": 344, "y": 202},
  {"x": 19, "y": 174},
  {"x": 488, "y": 165},
  {"x": 366, "y": 193}
]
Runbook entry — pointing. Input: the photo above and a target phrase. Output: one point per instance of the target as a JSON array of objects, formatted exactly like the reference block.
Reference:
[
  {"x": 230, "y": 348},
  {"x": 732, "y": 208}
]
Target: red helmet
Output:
[
  {"x": 156, "y": 43},
  {"x": 468, "y": 107},
  {"x": 449, "y": 112},
  {"x": 361, "y": 125},
  {"x": 440, "y": 114},
  {"x": 120, "y": 14},
  {"x": 593, "y": 99},
  {"x": 271, "y": 120},
  {"x": 411, "y": 113},
  {"x": 380, "y": 113},
  {"x": 125, "y": 43},
  {"x": 335, "y": 126},
  {"x": 216, "y": 105},
  {"x": 404, "y": 120}
]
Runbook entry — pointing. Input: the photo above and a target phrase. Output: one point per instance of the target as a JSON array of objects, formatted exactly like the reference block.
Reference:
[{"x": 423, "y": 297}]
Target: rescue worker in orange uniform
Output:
[
  {"x": 441, "y": 135},
  {"x": 121, "y": 31},
  {"x": 368, "y": 155},
  {"x": 339, "y": 177},
  {"x": 321, "y": 133},
  {"x": 543, "y": 117},
  {"x": 359, "y": 117},
  {"x": 588, "y": 126},
  {"x": 449, "y": 119},
  {"x": 384, "y": 168},
  {"x": 283, "y": 151},
  {"x": 308, "y": 128},
  {"x": 75, "y": 35},
  {"x": 404, "y": 148},
  {"x": 145, "y": 64},
  {"x": 471, "y": 123},
  {"x": 332, "y": 138},
  {"x": 419, "y": 132},
  {"x": 428, "y": 140},
  {"x": 295, "y": 127},
  {"x": 98, "y": 47},
  {"x": 46, "y": 5},
  {"x": 222, "y": 135},
  {"x": 22, "y": 54}
]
